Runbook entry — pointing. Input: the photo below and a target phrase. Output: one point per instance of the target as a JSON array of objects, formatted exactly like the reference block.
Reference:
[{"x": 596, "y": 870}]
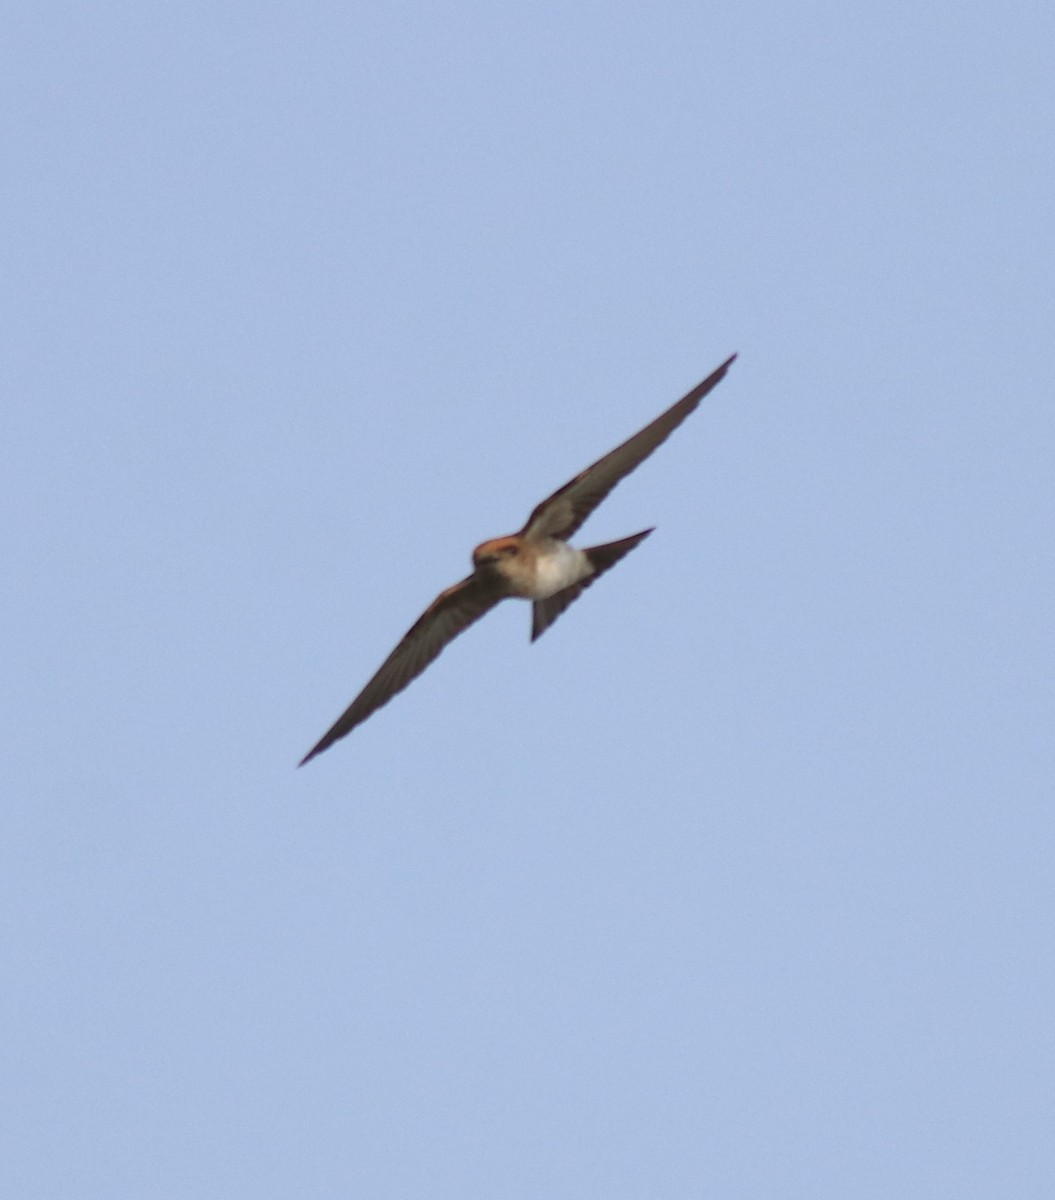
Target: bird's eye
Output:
[{"x": 511, "y": 550}]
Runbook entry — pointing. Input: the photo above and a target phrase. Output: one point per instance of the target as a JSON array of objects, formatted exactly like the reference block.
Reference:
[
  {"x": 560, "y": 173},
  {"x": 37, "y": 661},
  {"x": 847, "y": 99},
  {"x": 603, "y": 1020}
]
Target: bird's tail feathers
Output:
[{"x": 601, "y": 558}]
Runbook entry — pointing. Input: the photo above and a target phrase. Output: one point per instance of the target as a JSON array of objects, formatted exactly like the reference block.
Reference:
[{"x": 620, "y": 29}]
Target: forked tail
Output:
[{"x": 601, "y": 558}]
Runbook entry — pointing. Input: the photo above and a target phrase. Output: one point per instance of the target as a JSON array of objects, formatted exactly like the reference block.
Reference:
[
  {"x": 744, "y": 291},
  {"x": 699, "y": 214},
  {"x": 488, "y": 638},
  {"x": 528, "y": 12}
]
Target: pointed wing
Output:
[
  {"x": 563, "y": 512},
  {"x": 451, "y": 613}
]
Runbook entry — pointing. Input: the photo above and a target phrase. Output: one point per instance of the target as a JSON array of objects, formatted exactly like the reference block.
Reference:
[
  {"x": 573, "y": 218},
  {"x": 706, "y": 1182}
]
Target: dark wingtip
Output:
[{"x": 311, "y": 754}]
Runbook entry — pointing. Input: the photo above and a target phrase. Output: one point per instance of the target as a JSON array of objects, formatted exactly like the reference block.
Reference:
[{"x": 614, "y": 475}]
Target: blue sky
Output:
[{"x": 738, "y": 882}]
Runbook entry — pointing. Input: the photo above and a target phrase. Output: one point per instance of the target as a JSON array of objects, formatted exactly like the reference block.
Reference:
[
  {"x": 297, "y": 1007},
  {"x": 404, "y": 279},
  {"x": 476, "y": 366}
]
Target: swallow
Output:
[{"x": 536, "y": 564}]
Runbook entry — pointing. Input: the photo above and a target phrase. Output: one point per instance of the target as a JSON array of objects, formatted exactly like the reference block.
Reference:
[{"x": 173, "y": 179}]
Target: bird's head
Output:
[{"x": 498, "y": 550}]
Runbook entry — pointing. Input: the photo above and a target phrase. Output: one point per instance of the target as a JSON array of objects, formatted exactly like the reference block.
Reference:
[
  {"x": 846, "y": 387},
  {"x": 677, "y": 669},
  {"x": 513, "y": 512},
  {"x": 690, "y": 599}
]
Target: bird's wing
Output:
[
  {"x": 562, "y": 513},
  {"x": 452, "y": 612}
]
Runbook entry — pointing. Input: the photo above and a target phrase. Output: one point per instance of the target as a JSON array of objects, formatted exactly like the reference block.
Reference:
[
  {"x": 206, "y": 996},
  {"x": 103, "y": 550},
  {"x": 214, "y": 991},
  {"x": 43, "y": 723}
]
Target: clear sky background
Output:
[{"x": 739, "y": 882}]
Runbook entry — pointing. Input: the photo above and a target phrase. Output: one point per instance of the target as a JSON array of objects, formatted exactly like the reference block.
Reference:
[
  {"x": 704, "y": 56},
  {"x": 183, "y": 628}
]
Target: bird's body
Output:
[
  {"x": 534, "y": 569},
  {"x": 536, "y": 564}
]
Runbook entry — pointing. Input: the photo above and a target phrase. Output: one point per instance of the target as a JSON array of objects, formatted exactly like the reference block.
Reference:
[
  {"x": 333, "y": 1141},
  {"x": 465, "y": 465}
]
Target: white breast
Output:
[{"x": 558, "y": 566}]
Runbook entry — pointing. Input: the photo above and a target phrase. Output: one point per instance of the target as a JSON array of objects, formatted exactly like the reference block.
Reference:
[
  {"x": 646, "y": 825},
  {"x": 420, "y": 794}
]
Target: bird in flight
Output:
[{"x": 536, "y": 564}]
